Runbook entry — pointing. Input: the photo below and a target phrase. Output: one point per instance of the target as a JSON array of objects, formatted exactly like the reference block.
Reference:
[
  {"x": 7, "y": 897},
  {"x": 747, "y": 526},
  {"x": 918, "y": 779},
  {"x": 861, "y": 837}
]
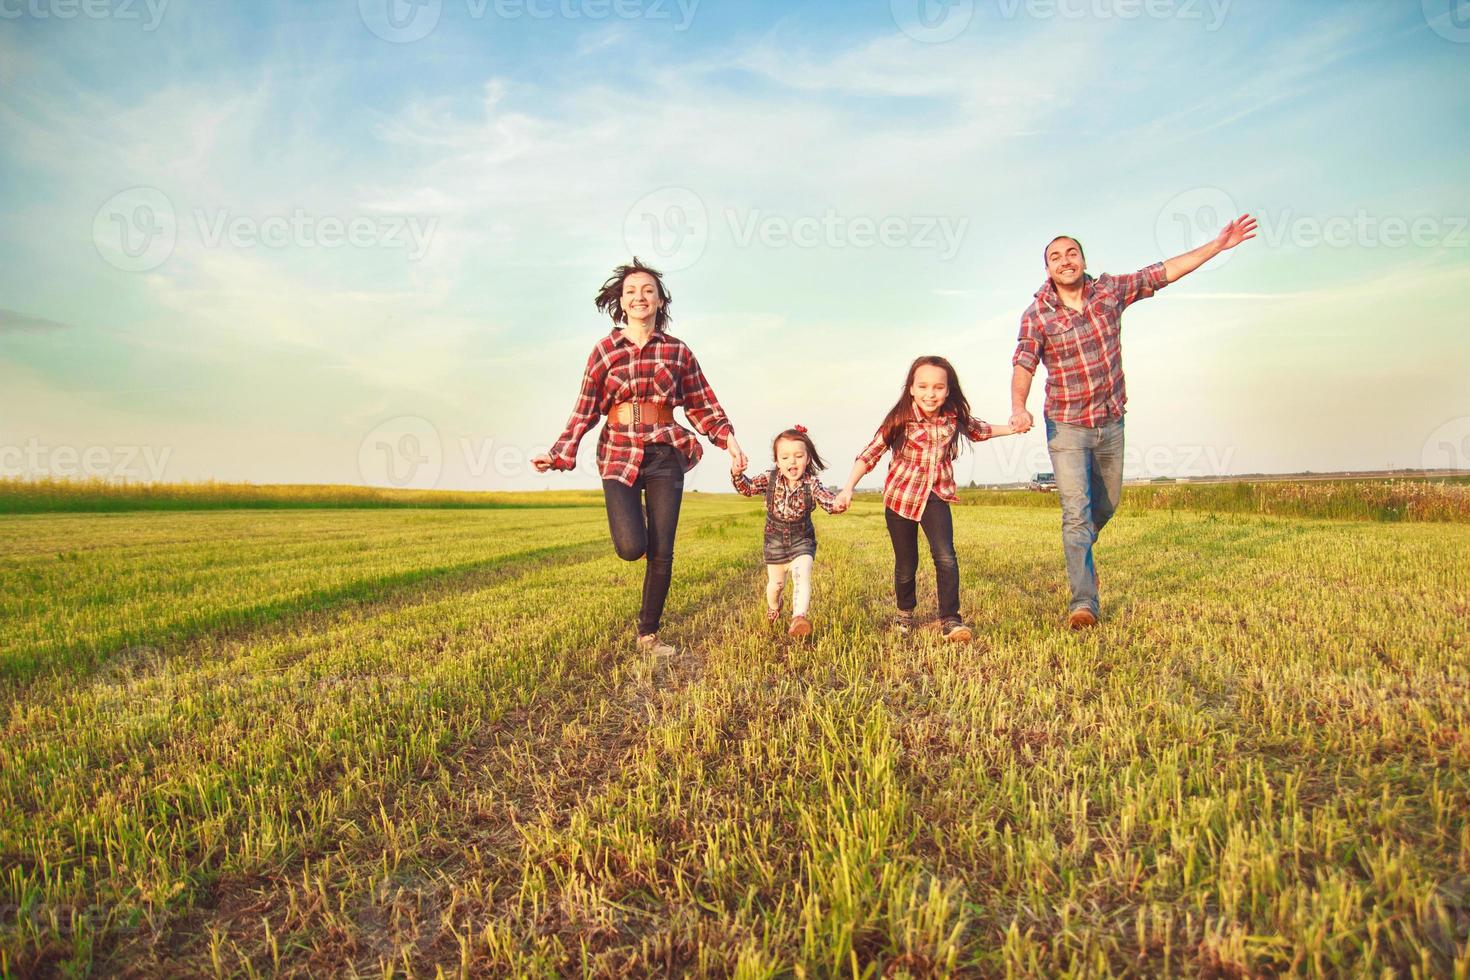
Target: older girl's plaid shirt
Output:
[{"x": 922, "y": 464}]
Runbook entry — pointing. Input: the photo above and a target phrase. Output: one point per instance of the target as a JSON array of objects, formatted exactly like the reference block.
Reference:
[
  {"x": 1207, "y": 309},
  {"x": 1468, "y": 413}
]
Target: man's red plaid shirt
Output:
[
  {"x": 922, "y": 462},
  {"x": 664, "y": 370},
  {"x": 1083, "y": 357}
]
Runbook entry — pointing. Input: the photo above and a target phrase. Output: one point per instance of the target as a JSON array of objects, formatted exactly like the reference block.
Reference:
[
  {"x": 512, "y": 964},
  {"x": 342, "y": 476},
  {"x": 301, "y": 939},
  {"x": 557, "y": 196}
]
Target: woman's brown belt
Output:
[{"x": 640, "y": 413}]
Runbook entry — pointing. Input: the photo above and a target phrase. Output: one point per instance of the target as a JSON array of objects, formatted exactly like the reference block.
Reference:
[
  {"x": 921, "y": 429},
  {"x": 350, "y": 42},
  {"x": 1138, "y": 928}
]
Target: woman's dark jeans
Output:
[
  {"x": 938, "y": 525},
  {"x": 643, "y": 519}
]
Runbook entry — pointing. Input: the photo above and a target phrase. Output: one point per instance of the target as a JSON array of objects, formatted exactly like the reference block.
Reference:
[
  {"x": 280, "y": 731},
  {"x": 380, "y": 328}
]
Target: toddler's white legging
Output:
[{"x": 801, "y": 584}]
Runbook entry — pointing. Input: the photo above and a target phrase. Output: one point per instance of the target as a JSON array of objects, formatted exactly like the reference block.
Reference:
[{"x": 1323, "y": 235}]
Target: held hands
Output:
[
  {"x": 843, "y": 501},
  {"x": 738, "y": 460},
  {"x": 1021, "y": 421},
  {"x": 1242, "y": 229},
  {"x": 542, "y": 463}
]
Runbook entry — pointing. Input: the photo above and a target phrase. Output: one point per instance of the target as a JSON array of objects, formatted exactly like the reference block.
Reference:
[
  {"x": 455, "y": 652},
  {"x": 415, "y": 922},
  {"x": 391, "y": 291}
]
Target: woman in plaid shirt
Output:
[
  {"x": 635, "y": 377},
  {"x": 923, "y": 430}
]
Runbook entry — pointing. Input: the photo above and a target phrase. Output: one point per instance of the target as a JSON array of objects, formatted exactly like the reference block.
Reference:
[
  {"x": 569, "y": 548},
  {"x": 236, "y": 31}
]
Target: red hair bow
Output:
[{"x": 800, "y": 428}]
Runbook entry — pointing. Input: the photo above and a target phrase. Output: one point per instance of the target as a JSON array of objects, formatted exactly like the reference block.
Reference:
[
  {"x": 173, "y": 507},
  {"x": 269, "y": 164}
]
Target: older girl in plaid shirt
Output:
[
  {"x": 923, "y": 431},
  {"x": 792, "y": 491}
]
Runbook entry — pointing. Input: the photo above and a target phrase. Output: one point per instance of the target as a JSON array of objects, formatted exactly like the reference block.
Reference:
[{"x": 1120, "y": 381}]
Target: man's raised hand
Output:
[{"x": 1242, "y": 229}]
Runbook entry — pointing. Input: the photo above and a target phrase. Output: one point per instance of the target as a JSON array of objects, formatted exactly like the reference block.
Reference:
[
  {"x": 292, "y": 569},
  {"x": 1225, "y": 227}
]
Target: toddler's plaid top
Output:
[
  {"x": 665, "y": 371},
  {"x": 1084, "y": 360},
  {"x": 789, "y": 504},
  {"x": 922, "y": 463}
]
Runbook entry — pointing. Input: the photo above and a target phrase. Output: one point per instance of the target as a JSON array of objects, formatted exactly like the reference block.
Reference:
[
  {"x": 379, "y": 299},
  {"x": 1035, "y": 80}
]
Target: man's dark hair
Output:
[{"x": 1071, "y": 238}]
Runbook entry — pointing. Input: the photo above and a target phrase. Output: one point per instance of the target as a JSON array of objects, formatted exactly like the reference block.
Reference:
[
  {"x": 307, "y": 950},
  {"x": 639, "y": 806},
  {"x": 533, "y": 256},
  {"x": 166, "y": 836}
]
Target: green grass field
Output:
[{"x": 414, "y": 741}]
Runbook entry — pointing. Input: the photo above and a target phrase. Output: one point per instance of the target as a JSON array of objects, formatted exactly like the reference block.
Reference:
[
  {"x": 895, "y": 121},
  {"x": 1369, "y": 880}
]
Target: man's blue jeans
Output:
[{"x": 1088, "y": 463}]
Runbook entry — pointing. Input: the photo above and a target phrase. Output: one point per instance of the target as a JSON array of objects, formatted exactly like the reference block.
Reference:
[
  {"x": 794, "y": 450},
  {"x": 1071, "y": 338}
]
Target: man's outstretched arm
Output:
[{"x": 1242, "y": 229}]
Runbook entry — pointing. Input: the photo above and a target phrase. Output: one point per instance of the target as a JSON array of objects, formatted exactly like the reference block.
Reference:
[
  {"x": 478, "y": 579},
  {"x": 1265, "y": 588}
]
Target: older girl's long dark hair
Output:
[
  {"x": 894, "y": 425},
  {"x": 609, "y": 296}
]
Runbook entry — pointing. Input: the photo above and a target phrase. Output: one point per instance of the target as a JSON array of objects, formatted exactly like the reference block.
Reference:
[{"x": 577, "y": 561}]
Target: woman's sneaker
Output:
[
  {"x": 956, "y": 631},
  {"x": 654, "y": 647},
  {"x": 904, "y": 623}
]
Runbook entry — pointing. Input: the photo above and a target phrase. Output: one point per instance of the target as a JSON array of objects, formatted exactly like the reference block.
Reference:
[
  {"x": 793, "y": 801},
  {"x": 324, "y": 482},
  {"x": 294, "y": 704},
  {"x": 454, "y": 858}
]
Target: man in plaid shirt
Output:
[{"x": 1073, "y": 328}]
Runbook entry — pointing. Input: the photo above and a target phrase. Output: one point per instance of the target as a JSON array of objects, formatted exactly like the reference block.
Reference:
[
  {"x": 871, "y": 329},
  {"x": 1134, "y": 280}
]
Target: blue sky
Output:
[{"x": 836, "y": 189}]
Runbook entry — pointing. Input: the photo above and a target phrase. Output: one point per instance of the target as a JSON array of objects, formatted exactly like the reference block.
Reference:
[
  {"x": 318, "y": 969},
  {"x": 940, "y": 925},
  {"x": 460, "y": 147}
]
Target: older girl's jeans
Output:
[
  {"x": 938, "y": 525},
  {"x": 643, "y": 519},
  {"x": 1088, "y": 462}
]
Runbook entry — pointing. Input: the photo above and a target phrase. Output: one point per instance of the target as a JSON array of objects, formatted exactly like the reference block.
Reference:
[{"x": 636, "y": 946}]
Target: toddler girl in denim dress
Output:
[{"x": 792, "y": 491}]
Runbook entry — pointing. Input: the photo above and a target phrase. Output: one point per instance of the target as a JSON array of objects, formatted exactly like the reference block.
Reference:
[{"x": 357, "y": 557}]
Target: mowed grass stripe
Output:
[
  {"x": 70, "y": 611},
  {"x": 237, "y": 767}
]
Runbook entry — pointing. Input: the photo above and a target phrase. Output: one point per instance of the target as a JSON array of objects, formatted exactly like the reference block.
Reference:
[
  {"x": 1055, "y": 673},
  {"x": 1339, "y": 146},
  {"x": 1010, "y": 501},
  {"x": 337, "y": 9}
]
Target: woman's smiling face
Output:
[
  {"x": 640, "y": 300},
  {"x": 930, "y": 388}
]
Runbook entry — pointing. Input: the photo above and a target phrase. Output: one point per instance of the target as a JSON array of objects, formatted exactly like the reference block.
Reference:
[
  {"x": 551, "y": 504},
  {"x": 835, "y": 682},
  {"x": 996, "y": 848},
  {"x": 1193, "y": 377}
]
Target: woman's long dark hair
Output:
[
  {"x": 813, "y": 459},
  {"x": 902, "y": 413},
  {"x": 610, "y": 295}
]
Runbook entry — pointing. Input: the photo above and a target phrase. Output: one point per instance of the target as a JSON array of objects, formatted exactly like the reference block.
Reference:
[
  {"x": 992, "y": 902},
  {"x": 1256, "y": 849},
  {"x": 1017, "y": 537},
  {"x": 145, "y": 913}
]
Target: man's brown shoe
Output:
[
  {"x": 1081, "y": 619},
  {"x": 800, "y": 626},
  {"x": 956, "y": 631}
]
